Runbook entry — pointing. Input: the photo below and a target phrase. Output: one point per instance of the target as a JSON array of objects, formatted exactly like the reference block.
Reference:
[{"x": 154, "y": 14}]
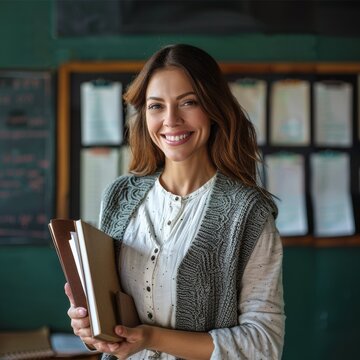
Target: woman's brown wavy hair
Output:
[{"x": 232, "y": 144}]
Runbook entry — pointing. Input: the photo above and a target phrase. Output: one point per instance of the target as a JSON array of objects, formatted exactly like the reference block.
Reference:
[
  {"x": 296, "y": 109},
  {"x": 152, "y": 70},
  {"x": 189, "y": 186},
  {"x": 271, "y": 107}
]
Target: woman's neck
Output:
[{"x": 183, "y": 179}]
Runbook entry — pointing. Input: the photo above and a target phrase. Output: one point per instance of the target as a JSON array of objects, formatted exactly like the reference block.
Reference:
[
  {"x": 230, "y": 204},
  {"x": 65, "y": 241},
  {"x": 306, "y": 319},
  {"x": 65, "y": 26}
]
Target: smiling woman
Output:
[{"x": 197, "y": 246}]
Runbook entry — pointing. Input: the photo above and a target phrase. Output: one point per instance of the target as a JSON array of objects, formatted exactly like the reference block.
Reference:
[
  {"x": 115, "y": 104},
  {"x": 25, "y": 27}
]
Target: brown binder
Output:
[
  {"x": 107, "y": 305},
  {"x": 60, "y": 230}
]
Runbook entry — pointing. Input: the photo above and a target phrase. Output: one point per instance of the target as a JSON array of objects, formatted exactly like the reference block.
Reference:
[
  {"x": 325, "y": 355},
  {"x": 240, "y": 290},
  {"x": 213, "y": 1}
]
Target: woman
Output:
[{"x": 197, "y": 246}]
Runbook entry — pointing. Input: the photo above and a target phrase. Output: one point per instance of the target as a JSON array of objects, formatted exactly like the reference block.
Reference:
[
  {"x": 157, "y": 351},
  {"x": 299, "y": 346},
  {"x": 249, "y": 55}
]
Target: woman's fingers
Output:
[
  {"x": 77, "y": 313},
  {"x": 69, "y": 294},
  {"x": 79, "y": 319},
  {"x": 80, "y": 322}
]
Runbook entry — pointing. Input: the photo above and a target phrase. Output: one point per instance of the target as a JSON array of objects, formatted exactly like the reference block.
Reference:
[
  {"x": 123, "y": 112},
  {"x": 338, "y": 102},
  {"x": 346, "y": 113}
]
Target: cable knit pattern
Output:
[{"x": 209, "y": 277}]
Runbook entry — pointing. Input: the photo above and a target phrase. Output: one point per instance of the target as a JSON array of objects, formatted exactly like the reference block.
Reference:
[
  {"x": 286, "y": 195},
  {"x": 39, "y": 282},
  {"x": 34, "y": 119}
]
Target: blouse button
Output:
[
  {"x": 176, "y": 198},
  {"x": 153, "y": 258},
  {"x": 150, "y": 315},
  {"x": 169, "y": 222},
  {"x": 156, "y": 250},
  {"x": 148, "y": 288}
]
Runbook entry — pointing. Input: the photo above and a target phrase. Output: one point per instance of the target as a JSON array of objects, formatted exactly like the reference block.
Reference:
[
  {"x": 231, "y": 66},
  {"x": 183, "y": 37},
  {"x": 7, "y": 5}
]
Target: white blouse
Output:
[{"x": 154, "y": 244}]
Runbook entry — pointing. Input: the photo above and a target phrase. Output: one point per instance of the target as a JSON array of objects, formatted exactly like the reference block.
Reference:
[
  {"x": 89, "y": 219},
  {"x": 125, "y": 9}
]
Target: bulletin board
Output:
[{"x": 73, "y": 74}]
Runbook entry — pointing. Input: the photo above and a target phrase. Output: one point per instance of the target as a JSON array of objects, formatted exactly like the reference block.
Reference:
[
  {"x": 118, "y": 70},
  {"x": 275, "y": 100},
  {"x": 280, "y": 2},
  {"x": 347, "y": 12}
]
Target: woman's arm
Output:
[
  {"x": 260, "y": 333},
  {"x": 182, "y": 344}
]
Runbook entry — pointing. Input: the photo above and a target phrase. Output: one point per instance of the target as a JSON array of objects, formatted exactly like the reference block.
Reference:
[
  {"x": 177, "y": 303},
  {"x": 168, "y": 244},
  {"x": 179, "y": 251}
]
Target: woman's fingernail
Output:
[{"x": 81, "y": 312}]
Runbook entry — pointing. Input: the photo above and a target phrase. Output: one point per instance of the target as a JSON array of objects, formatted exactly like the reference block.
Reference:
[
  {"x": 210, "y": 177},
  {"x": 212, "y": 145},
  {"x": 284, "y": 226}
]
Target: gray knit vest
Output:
[{"x": 209, "y": 277}]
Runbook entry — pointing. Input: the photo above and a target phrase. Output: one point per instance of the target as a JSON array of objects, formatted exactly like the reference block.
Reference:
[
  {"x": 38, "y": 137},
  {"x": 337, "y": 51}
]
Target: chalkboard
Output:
[
  {"x": 27, "y": 146},
  {"x": 78, "y": 18}
]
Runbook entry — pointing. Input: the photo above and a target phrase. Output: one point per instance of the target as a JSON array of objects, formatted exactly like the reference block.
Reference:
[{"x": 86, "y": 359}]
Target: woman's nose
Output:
[{"x": 172, "y": 117}]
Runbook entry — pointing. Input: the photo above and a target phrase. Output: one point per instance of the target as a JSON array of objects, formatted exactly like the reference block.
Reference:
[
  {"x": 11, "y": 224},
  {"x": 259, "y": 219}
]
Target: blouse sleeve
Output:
[{"x": 260, "y": 333}]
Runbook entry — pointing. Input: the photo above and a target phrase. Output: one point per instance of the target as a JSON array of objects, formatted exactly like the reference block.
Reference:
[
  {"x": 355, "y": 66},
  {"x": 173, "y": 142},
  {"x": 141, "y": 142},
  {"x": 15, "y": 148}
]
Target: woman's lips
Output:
[{"x": 177, "y": 139}]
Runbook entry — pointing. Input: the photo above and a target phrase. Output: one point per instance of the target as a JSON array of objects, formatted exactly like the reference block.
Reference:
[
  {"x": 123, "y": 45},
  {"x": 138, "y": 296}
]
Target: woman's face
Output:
[{"x": 176, "y": 122}]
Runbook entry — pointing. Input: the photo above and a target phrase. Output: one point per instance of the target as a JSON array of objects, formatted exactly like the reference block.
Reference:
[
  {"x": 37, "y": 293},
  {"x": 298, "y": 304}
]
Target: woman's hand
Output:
[
  {"x": 183, "y": 344},
  {"x": 80, "y": 321},
  {"x": 133, "y": 340}
]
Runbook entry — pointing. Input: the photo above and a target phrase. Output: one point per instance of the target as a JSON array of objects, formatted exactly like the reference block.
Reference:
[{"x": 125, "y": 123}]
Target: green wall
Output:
[{"x": 322, "y": 289}]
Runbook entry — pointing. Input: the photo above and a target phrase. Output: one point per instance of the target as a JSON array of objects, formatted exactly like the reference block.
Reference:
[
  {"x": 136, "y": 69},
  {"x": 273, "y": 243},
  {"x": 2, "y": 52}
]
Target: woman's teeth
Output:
[{"x": 177, "y": 137}]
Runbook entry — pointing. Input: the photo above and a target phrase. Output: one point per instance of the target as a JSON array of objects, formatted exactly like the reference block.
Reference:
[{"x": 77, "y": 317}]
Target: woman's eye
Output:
[
  {"x": 189, "y": 102},
  {"x": 154, "y": 106}
]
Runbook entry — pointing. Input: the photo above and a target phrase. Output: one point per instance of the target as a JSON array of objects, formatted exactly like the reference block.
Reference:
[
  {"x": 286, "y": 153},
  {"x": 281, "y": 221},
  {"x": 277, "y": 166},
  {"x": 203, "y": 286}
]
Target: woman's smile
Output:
[{"x": 175, "y": 139}]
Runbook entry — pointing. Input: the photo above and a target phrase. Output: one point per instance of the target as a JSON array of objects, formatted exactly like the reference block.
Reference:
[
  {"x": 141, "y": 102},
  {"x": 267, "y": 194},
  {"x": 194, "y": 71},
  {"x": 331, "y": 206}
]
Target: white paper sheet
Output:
[
  {"x": 76, "y": 257},
  {"x": 285, "y": 179},
  {"x": 101, "y": 113},
  {"x": 99, "y": 166},
  {"x": 330, "y": 190},
  {"x": 251, "y": 95},
  {"x": 333, "y": 113},
  {"x": 290, "y": 112}
]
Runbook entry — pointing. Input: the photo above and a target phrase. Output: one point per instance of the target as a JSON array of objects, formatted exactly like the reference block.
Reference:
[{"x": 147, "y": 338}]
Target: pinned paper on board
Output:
[
  {"x": 101, "y": 113},
  {"x": 285, "y": 179},
  {"x": 330, "y": 191},
  {"x": 99, "y": 167},
  {"x": 333, "y": 113},
  {"x": 290, "y": 112},
  {"x": 251, "y": 95}
]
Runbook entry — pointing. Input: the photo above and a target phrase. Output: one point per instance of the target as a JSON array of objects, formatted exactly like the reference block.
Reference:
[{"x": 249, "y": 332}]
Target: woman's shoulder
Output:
[
  {"x": 119, "y": 182},
  {"x": 241, "y": 192},
  {"x": 235, "y": 187},
  {"x": 128, "y": 183}
]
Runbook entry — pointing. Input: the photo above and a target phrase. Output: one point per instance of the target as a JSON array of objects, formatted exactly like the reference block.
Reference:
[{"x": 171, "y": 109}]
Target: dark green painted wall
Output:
[{"x": 322, "y": 289}]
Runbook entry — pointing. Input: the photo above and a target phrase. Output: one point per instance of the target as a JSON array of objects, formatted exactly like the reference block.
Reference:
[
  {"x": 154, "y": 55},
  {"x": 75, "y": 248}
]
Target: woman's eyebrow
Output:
[
  {"x": 185, "y": 94},
  {"x": 154, "y": 98},
  {"x": 177, "y": 98}
]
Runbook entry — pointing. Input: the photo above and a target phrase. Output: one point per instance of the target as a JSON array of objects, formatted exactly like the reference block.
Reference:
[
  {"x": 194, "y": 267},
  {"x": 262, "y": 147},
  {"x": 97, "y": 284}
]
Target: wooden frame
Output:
[
  {"x": 63, "y": 128},
  {"x": 63, "y": 121}
]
